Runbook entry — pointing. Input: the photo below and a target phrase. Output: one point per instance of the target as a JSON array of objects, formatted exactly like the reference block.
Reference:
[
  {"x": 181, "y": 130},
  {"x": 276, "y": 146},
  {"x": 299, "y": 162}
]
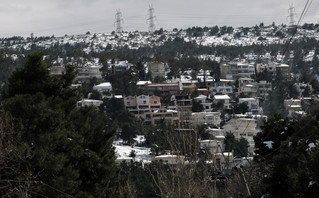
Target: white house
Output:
[
  {"x": 205, "y": 101},
  {"x": 104, "y": 87},
  {"x": 224, "y": 86},
  {"x": 89, "y": 102},
  {"x": 213, "y": 146},
  {"x": 206, "y": 118},
  {"x": 243, "y": 127},
  {"x": 252, "y": 103},
  {"x": 222, "y": 98},
  {"x": 170, "y": 159},
  {"x": 88, "y": 72}
]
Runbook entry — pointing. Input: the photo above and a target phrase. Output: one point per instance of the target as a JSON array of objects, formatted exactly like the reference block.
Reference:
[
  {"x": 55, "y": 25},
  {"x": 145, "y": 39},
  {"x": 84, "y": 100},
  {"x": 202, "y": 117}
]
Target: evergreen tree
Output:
[
  {"x": 289, "y": 149},
  {"x": 60, "y": 150},
  {"x": 197, "y": 106}
]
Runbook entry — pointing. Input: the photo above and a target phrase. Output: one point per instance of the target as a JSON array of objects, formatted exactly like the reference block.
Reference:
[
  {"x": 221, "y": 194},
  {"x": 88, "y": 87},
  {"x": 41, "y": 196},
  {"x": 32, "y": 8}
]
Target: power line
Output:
[{"x": 303, "y": 14}]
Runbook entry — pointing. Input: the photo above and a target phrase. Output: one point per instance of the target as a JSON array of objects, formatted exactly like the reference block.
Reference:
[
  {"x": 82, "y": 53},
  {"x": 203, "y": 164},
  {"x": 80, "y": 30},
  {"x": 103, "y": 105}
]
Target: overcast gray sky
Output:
[{"x": 59, "y": 17}]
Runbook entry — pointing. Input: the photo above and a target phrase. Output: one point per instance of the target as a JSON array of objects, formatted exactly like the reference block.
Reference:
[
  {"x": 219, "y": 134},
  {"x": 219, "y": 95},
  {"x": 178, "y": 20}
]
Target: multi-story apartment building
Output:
[
  {"x": 228, "y": 70},
  {"x": 183, "y": 104},
  {"x": 293, "y": 106},
  {"x": 224, "y": 99},
  {"x": 157, "y": 69},
  {"x": 87, "y": 73},
  {"x": 235, "y": 70},
  {"x": 247, "y": 87},
  {"x": 252, "y": 103},
  {"x": 243, "y": 127},
  {"x": 263, "y": 88},
  {"x": 205, "y": 101},
  {"x": 120, "y": 66},
  {"x": 206, "y": 118},
  {"x": 188, "y": 84},
  {"x": 245, "y": 70},
  {"x": 270, "y": 67},
  {"x": 142, "y": 105},
  {"x": 163, "y": 115},
  {"x": 163, "y": 88},
  {"x": 222, "y": 87}
]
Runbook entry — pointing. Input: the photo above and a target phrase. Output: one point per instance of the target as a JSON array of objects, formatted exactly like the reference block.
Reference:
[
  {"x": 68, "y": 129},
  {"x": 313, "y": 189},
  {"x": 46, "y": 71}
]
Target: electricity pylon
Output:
[
  {"x": 118, "y": 21},
  {"x": 150, "y": 20},
  {"x": 291, "y": 15}
]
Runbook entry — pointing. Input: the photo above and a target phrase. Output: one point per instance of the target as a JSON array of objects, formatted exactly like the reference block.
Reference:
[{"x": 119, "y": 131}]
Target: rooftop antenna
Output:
[
  {"x": 150, "y": 20},
  {"x": 291, "y": 15},
  {"x": 118, "y": 21}
]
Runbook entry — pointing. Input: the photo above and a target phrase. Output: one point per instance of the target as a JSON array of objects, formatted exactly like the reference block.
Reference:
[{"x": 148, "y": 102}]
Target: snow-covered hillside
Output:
[{"x": 98, "y": 42}]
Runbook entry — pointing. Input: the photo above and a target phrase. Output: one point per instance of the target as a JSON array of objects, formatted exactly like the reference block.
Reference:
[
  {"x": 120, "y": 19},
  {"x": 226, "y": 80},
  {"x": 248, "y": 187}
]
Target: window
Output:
[
  {"x": 144, "y": 102},
  {"x": 155, "y": 102}
]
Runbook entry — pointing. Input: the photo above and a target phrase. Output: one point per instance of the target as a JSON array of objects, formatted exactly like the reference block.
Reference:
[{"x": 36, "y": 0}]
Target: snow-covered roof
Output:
[
  {"x": 220, "y": 137},
  {"x": 221, "y": 97},
  {"x": 247, "y": 99},
  {"x": 104, "y": 84},
  {"x": 226, "y": 80},
  {"x": 118, "y": 96},
  {"x": 207, "y": 141},
  {"x": 162, "y": 85},
  {"x": 201, "y": 97},
  {"x": 168, "y": 156},
  {"x": 143, "y": 82},
  {"x": 283, "y": 65},
  {"x": 90, "y": 100}
]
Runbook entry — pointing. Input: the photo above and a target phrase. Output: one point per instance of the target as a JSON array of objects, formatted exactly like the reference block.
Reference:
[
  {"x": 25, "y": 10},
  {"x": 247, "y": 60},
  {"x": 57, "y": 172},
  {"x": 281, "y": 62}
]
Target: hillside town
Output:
[
  {"x": 213, "y": 95},
  {"x": 234, "y": 102}
]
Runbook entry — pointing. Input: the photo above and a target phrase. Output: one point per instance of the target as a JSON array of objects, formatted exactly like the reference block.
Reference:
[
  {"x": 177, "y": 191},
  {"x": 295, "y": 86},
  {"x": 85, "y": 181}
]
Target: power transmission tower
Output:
[
  {"x": 291, "y": 15},
  {"x": 118, "y": 21},
  {"x": 150, "y": 20}
]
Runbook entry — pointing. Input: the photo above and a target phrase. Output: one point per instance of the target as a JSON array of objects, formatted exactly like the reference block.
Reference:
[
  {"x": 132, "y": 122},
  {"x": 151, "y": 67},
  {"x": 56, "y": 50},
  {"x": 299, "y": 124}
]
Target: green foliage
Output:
[
  {"x": 241, "y": 108},
  {"x": 292, "y": 156},
  {"x": 120, "y": 119},
  {"x": 123, "y": 83},
  {"x": 60, "y": 150},
  {"x": 240, "y": 147},
  {"x": 141, "y": 179},
  {"x": 197, "y": 106},
  {"x": 275, "y": 101}
]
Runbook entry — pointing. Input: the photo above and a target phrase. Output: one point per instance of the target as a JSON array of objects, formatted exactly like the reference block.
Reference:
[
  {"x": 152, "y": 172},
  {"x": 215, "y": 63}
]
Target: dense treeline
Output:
[{"x": 48, "y": 147}]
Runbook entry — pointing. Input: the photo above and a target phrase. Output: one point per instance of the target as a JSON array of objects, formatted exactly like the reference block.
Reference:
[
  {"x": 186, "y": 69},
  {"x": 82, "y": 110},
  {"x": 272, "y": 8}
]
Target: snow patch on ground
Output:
[
  {"x": 141, "y": 153},
  {"x": 310, "y": 146},
  {"x": 268, "y": 144}
]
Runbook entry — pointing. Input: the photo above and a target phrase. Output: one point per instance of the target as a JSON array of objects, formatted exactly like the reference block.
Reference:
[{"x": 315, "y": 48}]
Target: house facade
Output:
[
  {"x": 163, "y": 88},
  {"x": 142, "y": 105},
  {"x": 157, "y": 69},
  {"x": 206, "y": 118}
]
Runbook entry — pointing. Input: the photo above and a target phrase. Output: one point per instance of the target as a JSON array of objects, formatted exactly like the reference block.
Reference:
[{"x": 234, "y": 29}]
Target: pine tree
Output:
[{"x": 62, "y": 151}]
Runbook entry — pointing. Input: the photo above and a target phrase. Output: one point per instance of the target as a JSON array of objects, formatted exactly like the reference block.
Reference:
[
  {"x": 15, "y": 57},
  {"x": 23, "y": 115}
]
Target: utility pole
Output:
[
  {"x": 243, "y": 178},
  {"x": 291, "y": 15},
  {"x": 118, "y": 21},
  {"x": 150, "y": 20}
]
